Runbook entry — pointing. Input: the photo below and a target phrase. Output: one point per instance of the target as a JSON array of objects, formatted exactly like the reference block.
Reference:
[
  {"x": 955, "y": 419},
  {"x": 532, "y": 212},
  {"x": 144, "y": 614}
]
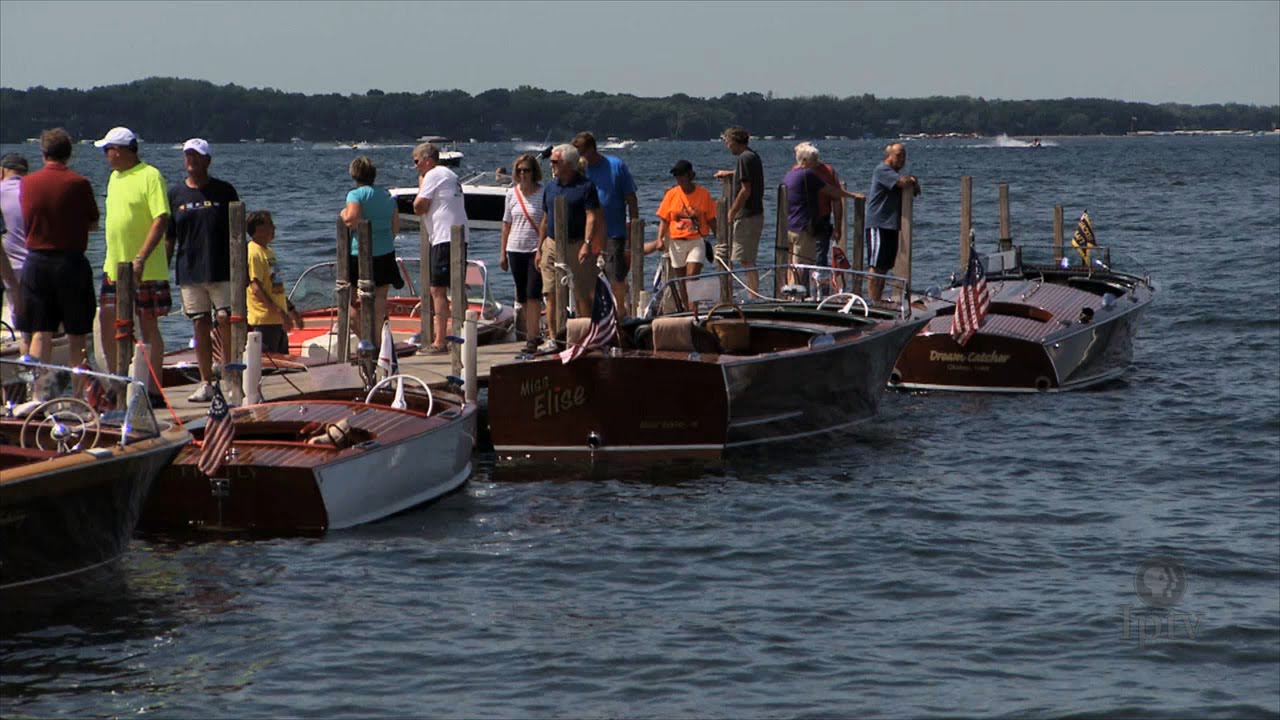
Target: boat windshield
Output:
[
  {"x": 1094, "y": 260},
  {"x": 486, "y": 179},
  {"x": 111, "y": 401},
  {"x": 840, "y": 290}
]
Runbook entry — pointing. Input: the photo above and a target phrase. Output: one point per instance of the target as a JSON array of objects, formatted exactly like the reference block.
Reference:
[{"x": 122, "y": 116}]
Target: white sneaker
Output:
[
  {"x": 203, "y": 394},
  {"x": 548, "y": 346}
]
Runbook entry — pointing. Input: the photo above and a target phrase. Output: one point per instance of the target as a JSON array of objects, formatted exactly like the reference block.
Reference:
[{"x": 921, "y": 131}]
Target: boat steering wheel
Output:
[
  {"x": 67, "y": 421},
  {"x": 431, "y": 402},
  {"x": 848, "y": 306}
]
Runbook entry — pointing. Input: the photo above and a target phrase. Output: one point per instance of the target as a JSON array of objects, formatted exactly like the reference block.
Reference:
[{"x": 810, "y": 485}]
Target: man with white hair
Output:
[
  {"x": 198, "y": 242},
  {"x": 586, "y": 227},
  {"x": 804, "y": 188}
]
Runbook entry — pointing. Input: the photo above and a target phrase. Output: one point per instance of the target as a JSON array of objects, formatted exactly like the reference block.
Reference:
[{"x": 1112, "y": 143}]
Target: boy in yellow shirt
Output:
[{"x": 269, "y": 312}]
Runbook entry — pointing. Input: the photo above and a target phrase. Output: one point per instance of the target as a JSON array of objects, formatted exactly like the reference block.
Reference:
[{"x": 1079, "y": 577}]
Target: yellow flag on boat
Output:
[{"x": 1083, "y": 239}]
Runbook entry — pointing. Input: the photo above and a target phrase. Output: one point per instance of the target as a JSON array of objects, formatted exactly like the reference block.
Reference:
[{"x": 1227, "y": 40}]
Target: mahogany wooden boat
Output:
[
  {"x": 74, "y": 471},
  {"x": 672, "y": 390},
  {"x": 377, "y": 461},
  {"x": 1054, "y": 324}
]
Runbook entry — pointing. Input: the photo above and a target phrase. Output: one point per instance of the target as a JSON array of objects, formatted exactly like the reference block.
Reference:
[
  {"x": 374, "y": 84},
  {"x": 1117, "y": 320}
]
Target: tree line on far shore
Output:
[{"x": 172, "y": 109}]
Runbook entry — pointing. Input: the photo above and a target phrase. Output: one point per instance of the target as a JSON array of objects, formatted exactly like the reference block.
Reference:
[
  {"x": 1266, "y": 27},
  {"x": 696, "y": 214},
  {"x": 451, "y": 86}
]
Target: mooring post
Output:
[
  {"x": 724, "y": 244},
  {"x": 1006, "y": 236},
  {"x": 637, "y": 266},
  {"x": 124, "y": 316},
  {"x": 966, "y": 219},
  {"x": 426, "y": 331},
  {"x": 342, "y": 290},
  {"x": 1057, "y": 234},
  {"x": 722, "y": 235},
  {"x": 561, "y": 291},
  {"x": 781, "y": 246},
  {"x": 239, "y": 254},
  {"x": 371, "y": 328},
  {"x": 457, "y": 291},
  {"x": 902, "y": 266}
]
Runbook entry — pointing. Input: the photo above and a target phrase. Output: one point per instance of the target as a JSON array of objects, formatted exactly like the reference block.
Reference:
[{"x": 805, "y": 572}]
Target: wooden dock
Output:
[{"x": 433, "y": 369}]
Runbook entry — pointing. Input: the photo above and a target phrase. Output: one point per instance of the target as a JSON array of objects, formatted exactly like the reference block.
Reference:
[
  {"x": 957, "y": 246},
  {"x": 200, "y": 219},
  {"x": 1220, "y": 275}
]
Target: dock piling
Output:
[
  {"x": 781, "y": 246},
  {"x": 966, "y": 218},
  {"x": 637, "y": 266},
  {"x": 426, "y": 331},
  {"x": 722, "y": 238},
  {"x": 1006, "y": 234},
  {"x": 124, "y": 315},
  {"x": 857, "y": 255},
  {"x": 370, "y": 327},
  {"x": 252, "y": 368},
  {"x": 1057, "y": 234},
  {"x": 239, "y": 254},
  {"x": 561, "y": 291},
  {"x": 470, "y": 353},
  {"x": 457, "y": 289},
  {"x": 902, "y": 266},
  {"x": 342, "y": 292}
]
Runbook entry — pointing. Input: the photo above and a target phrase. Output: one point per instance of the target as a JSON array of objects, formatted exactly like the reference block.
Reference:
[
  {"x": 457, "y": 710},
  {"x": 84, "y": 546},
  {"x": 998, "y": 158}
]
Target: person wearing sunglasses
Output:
[
  {"x": 585, "y": 224},
  {"x": 519, "y": 250}
]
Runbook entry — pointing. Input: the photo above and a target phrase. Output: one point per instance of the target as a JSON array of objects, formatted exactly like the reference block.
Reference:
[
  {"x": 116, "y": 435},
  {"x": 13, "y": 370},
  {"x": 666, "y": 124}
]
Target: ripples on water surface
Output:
[{"x": 963, "y": 555}]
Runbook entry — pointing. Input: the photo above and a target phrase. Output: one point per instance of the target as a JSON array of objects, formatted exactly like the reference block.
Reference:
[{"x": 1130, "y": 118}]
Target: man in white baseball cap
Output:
[
  {"x": 197, "y": 239},
  {"x": 137, "y": 217}
]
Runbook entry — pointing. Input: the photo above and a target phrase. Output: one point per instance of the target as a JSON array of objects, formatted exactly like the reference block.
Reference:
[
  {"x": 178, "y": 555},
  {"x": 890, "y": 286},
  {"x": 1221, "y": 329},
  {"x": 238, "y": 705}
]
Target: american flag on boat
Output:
[
  {"x": 218, "y": 433},
  {"x": 1083, "y": 239},
  {"x": 972, "y": 304},
  {"x": 604, "y": 324}
]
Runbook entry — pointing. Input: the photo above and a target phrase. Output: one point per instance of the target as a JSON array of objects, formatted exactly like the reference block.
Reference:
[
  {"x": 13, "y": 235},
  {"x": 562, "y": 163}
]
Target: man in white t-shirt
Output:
[{"x": 440, "y": 205}]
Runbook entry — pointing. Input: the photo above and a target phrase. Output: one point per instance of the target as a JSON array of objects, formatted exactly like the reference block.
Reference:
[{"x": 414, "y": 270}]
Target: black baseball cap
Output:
[
  {"x": 14, "y": 161},
  {"x": 682, "y": 167}
]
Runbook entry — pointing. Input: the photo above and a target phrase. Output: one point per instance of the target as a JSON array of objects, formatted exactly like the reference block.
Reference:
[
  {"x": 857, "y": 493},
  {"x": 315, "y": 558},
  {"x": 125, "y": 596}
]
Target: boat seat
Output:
[{"x": 674, "y": 334}]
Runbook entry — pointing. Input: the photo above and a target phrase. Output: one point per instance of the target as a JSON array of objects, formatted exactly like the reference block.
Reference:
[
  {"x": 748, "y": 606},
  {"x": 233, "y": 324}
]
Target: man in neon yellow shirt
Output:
[{"x": 137, "y": 217}]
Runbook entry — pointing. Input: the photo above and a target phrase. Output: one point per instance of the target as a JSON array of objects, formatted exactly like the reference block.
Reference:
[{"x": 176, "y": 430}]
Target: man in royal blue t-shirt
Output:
[
  {"x": 617, "y": 192},
  {"x": 585, "y": 223}
]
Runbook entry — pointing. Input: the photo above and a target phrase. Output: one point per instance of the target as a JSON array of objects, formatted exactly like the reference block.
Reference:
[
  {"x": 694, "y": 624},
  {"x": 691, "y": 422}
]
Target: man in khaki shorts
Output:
[
  {"x": 198, "y": 242},
  {"x": 585, "y": 224},
  {"x": 746, "y": 207}
]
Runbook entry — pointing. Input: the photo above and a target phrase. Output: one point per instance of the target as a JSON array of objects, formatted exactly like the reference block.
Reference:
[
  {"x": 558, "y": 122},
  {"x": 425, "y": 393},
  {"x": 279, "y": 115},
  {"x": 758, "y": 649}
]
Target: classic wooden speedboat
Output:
[
  {"x": 674, "y": 388},
  {"x": 323, "y": 460},
  {"x": 1055, "y": 323},
  {"x": 484, "y": 195},
  {"x": 75, "y": 468}
]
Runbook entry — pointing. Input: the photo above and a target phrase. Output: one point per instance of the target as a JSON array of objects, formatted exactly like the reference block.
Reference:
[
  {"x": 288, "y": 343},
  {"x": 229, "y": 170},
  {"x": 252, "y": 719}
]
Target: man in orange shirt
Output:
[{"x": 688, "y": 215}]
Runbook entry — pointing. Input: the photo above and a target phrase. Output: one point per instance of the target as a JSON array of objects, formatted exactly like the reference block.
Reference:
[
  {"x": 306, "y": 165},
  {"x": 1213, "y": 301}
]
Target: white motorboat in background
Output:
[{"x": 483, "y": 193}]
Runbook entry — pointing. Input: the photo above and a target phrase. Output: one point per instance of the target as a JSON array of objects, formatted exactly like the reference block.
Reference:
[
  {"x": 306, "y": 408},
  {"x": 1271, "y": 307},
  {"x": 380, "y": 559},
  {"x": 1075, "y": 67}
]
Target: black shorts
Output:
[
  {"x": 882, "y": 249},
  {"x": 528, "y": 279},
  {"x": 616, "y": 259},
  {"x": 386, "y": 271},
  {"x": 441, "y": 257},
  {"x": 274, "y": 338},
  {"x": 57, "y": 290}
]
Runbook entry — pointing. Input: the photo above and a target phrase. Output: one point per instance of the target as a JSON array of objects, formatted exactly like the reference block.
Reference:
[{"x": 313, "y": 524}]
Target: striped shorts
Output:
[
  {"x": 882, "y": 249},
  {"x": 151, "y": 298}
]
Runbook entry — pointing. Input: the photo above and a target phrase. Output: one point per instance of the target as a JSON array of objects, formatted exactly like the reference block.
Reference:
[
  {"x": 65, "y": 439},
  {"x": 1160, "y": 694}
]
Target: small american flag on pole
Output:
[
  {"x": 972, "y": 304},
  {"x": 218, "y": 433},
  {"x": 604, "y": 324}
]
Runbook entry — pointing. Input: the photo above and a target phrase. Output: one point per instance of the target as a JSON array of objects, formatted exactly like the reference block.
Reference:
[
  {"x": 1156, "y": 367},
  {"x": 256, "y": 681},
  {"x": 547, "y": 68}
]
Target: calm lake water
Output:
[{"x": 962, "y": 555}]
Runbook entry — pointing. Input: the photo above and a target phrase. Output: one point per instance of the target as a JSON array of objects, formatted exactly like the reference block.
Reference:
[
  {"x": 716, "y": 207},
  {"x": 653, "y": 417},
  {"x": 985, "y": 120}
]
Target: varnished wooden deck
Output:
[{"x": 431, "y": 368}]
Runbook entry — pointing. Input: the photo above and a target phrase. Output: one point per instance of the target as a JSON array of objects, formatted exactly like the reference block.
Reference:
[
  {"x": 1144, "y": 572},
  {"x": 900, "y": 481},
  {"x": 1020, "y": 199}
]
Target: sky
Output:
[{"x": 1184, "y": 52}]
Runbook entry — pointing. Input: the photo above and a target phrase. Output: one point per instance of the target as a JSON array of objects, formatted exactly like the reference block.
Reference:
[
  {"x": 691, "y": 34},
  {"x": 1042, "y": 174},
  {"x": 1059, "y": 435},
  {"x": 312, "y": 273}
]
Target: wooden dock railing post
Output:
[
  {"x": 1006, "y": 234},
  {"x": 902, "y": 266},
  {"x": 857, "y": 253},
  {"x": 343, "y": 290},
  {"x": 427, "y": 328},
  {"x": 561, "y": 291},
  {"x": 722, "y": 238},
  {"x": 457, "y": 292},
  {"x": 781, "y": 246},
  {"x": 637, "y": 267},
  {"x": 239, "y": 254},
  {"x": 370, "y": 327},
  {"x": 724, "y": 244},
  {"x": 1057, "y": 234},
  {"x": 966, "y": 219},
  {"x": 124, "y": 315}
]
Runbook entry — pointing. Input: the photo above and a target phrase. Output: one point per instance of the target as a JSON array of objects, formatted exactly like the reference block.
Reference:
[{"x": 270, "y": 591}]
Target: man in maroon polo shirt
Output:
[{"x": 57, "y": 283}]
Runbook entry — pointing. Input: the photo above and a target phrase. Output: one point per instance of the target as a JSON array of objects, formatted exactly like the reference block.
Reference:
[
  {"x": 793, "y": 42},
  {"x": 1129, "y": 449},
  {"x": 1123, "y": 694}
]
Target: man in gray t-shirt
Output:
[
  {"x": 746, "y": 204},
  {"x": 884, "y": 206}
]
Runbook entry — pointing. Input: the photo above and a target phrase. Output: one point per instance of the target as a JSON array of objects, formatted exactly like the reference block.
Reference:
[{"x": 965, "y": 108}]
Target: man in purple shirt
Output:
[{"x": 804, "y": 187}]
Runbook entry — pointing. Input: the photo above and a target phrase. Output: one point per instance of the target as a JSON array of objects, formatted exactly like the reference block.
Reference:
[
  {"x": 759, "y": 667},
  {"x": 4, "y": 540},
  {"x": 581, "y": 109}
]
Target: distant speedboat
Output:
[
  {"x": 483, "y": 193},
  {"x": 450, "y": 156},
  {"x": 616, "y": 144}
]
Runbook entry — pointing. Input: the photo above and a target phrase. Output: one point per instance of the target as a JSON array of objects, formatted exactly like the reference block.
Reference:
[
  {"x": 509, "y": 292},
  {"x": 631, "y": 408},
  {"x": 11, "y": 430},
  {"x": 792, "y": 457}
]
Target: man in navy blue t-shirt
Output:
[
  {"x": 884, "y": 205},
  {"x": 585, "y": 223}
]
